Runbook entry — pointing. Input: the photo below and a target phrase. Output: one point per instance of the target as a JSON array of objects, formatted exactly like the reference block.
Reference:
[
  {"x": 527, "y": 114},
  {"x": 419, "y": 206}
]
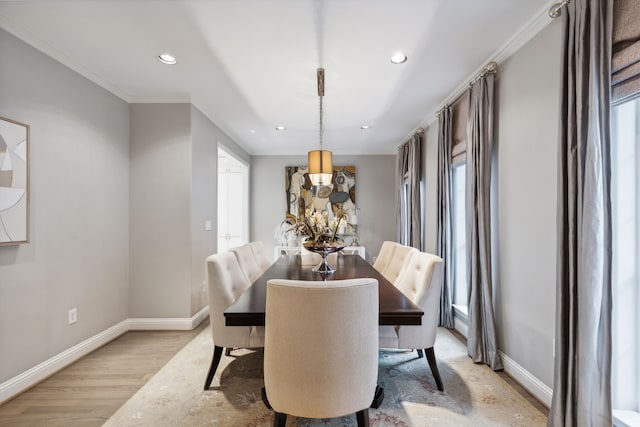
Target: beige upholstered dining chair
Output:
[
  {"x": 321, "y": 348},
  {"x": 260, "y": 255},
  {"x": 247, "y": 262},
  {"x": 226, "y": 282},
  {"x": 384, "y": 256},
  {"x": 421, "y": 282},
  {"x": 399, "y": 259}
]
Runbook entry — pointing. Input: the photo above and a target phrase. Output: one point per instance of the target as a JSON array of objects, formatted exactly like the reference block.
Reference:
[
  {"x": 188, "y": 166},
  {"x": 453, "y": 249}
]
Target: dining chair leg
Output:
[
  {"x": 279, "y": 419},
  {"x": 363, "y": 418},
  {"x": 431, "y": 358},
  {"x": 378, "y": 397},
  {"x": 217, "y": 354},
  {"x": 265, "y": 400},
  {"x": 420, "y": 354}
]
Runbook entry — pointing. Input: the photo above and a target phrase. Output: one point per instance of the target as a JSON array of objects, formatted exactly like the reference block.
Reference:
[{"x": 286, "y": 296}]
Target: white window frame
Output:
[
  {"x": 625, "y": 203},
  {"x": 404, "y": 210},
  {"x": 458, "y": 237}
]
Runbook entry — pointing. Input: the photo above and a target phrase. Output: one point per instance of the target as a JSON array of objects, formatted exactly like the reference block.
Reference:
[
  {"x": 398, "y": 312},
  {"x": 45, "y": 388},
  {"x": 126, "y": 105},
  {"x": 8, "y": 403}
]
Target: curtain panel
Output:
[
  {"x": 481, "y": 341},
  {"x": 582, "y": 371},
  {"x": 409, "y": 211},
  {"x": 445, "y": 216}
]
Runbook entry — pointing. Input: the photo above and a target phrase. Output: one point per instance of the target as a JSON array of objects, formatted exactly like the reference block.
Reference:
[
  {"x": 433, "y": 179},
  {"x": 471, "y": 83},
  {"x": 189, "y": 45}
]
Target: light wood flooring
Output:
[
  {"x": 92, "y": 389},
  {"x": 513, "y": 383}
]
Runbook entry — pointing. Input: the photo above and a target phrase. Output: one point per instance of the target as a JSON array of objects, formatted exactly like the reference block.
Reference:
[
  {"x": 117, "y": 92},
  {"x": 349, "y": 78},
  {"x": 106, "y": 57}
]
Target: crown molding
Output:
[
  {"x": 536, "y": 24},
  {"x": 31, "y": 39},
  {"x": 184, "y": 98}
]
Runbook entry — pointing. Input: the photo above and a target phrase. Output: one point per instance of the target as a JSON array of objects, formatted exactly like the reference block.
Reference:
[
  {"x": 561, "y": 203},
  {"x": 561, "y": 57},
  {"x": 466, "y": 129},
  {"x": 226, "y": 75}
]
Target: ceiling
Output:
[{"x": 250, "y": 65}]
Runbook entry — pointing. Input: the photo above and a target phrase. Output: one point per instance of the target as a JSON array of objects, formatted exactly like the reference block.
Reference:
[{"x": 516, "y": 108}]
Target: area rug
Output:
[{"x": 473, "y": 394}]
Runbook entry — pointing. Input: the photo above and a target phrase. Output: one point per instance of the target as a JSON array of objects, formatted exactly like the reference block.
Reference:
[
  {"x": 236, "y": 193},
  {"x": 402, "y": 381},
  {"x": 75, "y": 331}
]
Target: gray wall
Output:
[
  {"x": 527, "y": 97},
  {"x": 430, "y": 178},
  {"x": 375, "y": 197},
  {"x": 79, "y": 250},
  {"x": 160, "y": 231},
  {"x": 203, "y": 202},
  {"x": 174, "y": 156},
  {"x": 205, "y": 137}
]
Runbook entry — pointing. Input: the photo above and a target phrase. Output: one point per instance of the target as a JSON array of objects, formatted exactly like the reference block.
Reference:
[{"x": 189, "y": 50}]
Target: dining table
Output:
[{"x": 394, "y": 307}]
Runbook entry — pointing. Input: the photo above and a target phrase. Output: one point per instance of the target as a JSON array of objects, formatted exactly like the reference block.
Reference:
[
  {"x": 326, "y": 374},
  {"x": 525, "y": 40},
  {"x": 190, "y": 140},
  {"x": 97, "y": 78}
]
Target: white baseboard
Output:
[
  {"x": 537, "y": 388},
  {"x": 20, "y": 383},
  {"x": 199, "y": 317},
  {"x": 16, "y": 385},
  {"x": 172, "y": 324},
  {"x": 540, "y": 390}
]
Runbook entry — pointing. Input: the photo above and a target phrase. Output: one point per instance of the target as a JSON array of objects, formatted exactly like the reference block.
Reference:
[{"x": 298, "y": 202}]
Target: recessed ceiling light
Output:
[
  {"x": 399, "y": 58},
  {"x": 166, "y": 58},
  {"x": 281, "y": 128},
  {"x": 252, "y": 131},
  {"x": 364, "y": 127}
]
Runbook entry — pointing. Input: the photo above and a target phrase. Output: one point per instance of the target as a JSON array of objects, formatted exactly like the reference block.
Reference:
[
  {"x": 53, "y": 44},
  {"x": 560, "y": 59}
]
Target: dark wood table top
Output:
[{"x": 395, "y": 307}]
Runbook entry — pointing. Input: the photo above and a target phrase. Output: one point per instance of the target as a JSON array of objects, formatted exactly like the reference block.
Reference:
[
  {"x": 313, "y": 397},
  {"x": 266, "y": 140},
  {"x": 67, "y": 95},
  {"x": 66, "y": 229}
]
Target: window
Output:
[
  {"x": 405, "y": 216},
  {"x": 459, "y": 225},
  {"x": 625, "y": 179}
]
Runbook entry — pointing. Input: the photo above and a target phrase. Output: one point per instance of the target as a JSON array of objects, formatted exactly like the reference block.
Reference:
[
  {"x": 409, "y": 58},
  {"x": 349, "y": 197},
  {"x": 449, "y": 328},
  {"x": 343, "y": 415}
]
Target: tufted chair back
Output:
[
  {"x": 400, "y": 257},
  {"x": 385, "y": 255},
  {"x": 421, "y": 281},
  {"x": 247, "y": 261},
  {"x": 260, "y": 255}
]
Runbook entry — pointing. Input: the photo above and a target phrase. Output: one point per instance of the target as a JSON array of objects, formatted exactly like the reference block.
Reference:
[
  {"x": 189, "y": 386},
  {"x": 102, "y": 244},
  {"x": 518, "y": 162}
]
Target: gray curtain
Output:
[
  {"x": 582, "y": 374},
  {"x": 445, "y": 244},
  {"x": 481, "y": 341},
  {"x": 410, "y": 205}
]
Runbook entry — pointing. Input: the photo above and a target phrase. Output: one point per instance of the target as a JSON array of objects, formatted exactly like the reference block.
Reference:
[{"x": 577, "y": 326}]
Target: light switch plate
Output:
[
  {"x": 207, "y": 225},
  {"x": 73, "y": 316}
]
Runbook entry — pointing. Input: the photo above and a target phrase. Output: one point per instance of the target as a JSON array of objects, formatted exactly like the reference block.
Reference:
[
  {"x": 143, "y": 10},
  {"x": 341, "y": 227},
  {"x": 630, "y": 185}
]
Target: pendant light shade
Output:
[
  {"x": 320, "y": 167},
  {"x": 320, "y": 162}
]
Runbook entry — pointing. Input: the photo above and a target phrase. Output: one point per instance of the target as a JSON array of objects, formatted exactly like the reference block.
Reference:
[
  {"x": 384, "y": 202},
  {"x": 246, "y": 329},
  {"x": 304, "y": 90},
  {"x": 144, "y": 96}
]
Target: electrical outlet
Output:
[{"x": 73, "y": 316}]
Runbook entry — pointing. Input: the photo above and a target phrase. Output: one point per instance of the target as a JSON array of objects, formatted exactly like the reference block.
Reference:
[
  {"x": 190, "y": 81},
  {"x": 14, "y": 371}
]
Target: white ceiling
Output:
[{"x": 250, "y": 65}]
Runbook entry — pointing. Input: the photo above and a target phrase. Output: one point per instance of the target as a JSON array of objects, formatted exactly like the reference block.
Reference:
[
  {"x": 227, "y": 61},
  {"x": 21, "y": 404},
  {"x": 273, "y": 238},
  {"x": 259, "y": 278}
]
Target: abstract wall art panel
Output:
[
  {"x": 300, "y": 194},
  {"x": 14, "y": 182}
]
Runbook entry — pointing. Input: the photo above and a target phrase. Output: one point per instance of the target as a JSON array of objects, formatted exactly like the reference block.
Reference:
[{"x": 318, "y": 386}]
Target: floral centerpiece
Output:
[
  {"x": 320, "y": 231},
  {"x": 321, "y": 234}
]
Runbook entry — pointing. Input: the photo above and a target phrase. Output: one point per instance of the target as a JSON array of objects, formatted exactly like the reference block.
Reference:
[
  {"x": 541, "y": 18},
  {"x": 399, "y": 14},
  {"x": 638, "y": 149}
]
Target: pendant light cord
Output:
[
  {"x": 321, "y": 129},
  {"x": 320, "y": 75}
]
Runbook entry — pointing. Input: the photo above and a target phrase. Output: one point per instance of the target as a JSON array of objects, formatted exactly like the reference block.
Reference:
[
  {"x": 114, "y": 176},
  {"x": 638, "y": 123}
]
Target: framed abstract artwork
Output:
[
  {"x": 14, "y": 182},
  {"x": 300, "y": 194}
]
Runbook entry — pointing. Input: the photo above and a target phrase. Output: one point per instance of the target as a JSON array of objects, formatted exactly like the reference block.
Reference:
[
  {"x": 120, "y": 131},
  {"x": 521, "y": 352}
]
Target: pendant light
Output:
[{"x": 320, "y": 162}]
